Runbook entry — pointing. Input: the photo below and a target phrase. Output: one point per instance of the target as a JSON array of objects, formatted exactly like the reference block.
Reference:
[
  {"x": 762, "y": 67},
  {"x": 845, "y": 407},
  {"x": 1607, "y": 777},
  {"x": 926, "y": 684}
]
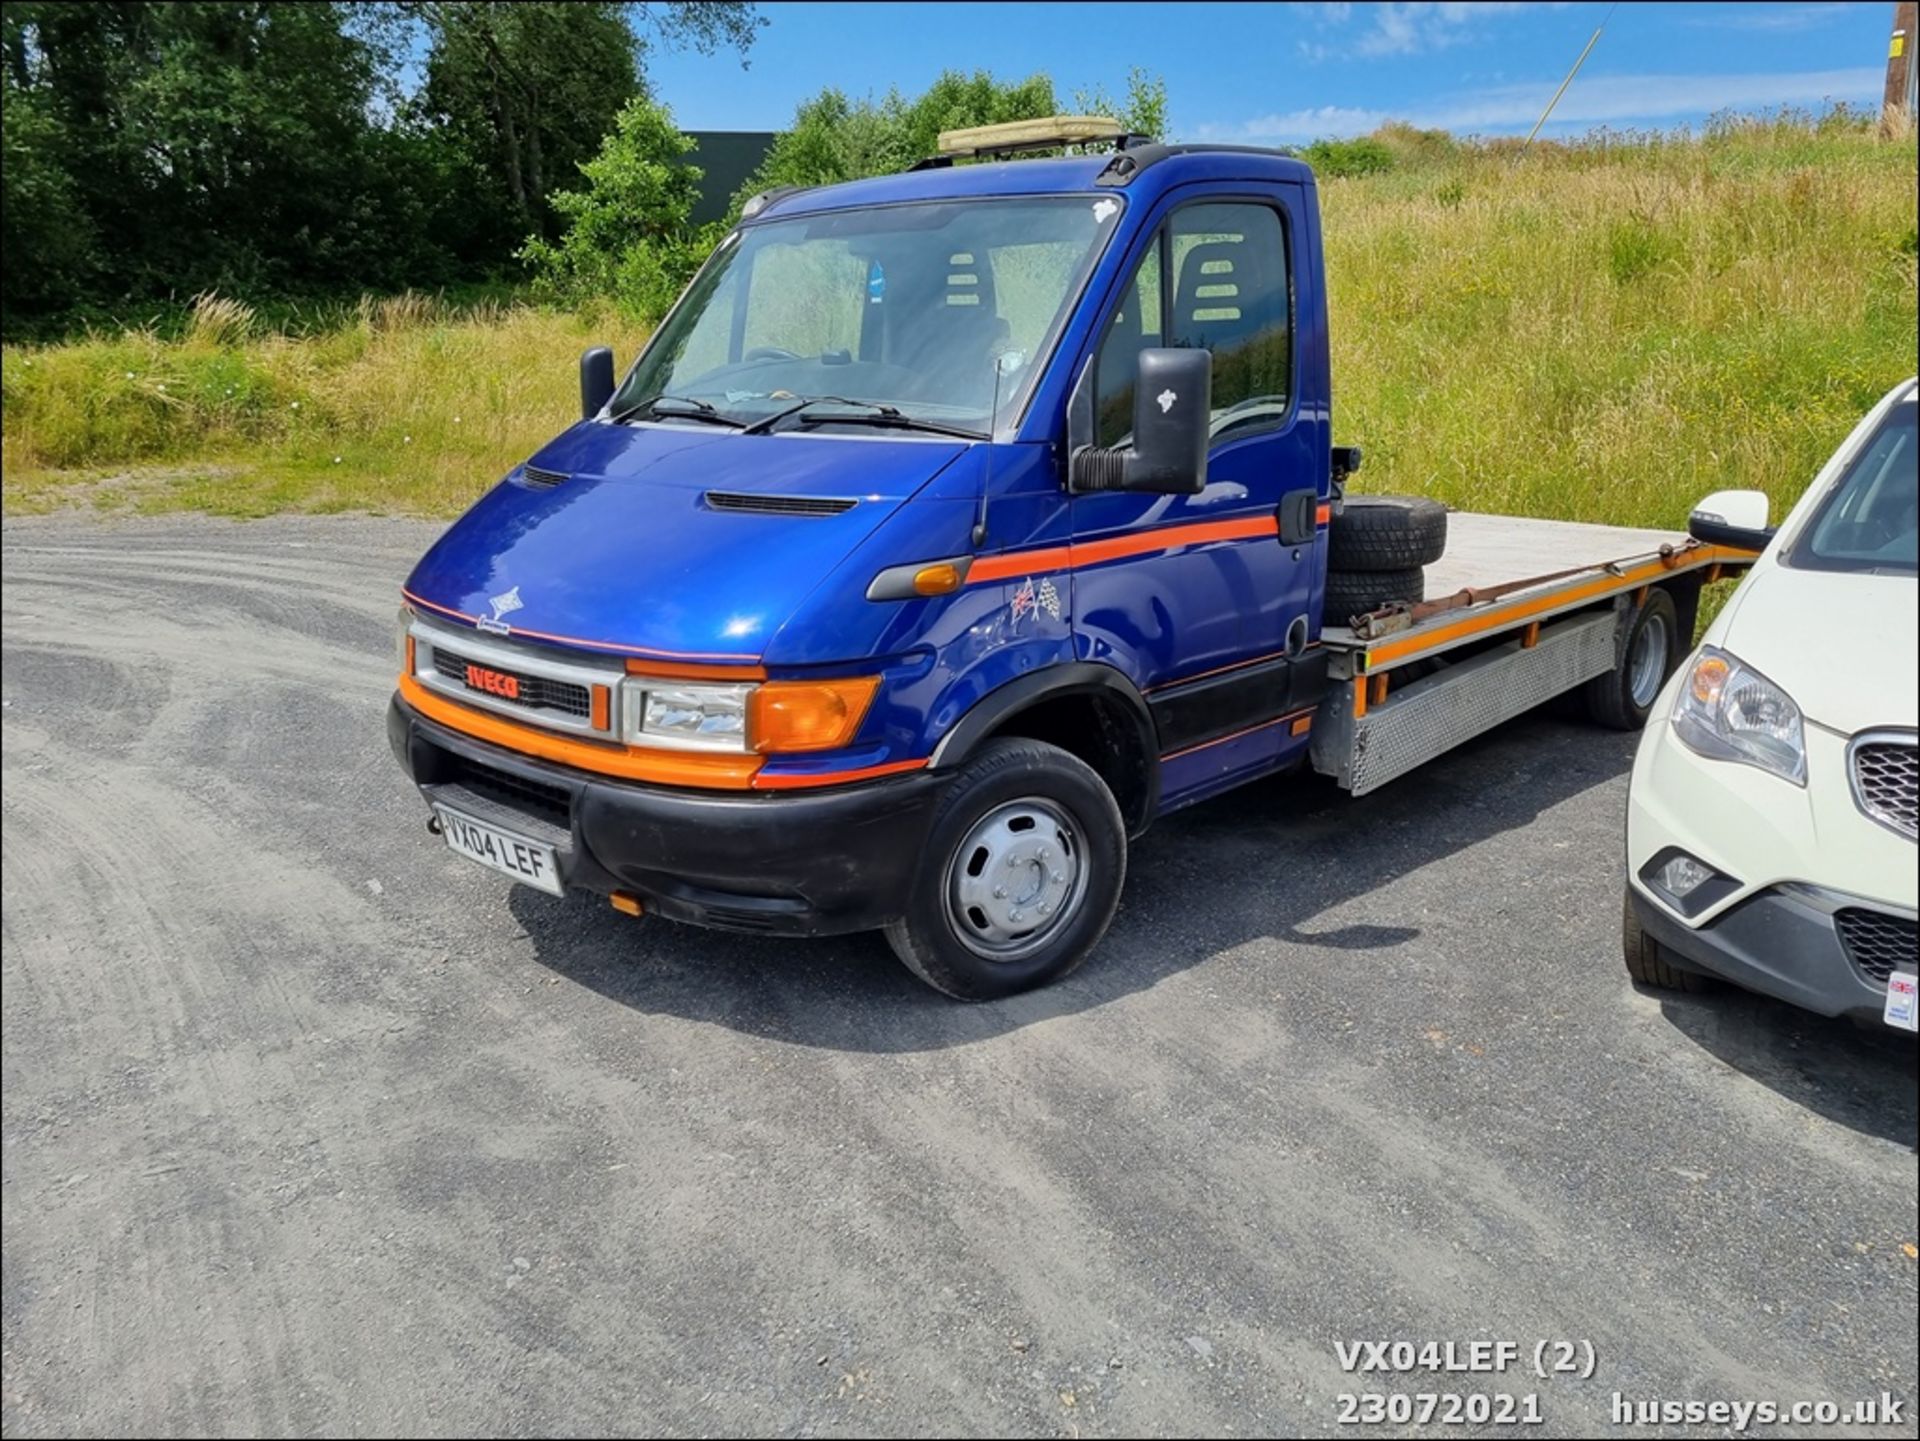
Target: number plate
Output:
[
  {"x": 526, "y": 861},
  {"x": 1902, "y": 991}
]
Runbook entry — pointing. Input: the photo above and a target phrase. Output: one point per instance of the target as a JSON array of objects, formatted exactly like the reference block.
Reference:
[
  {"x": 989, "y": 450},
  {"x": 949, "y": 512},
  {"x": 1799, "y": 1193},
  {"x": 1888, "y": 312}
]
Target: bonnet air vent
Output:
[
  {"x": 750, "y": 504},
  {"x": 542, "y": 479}
]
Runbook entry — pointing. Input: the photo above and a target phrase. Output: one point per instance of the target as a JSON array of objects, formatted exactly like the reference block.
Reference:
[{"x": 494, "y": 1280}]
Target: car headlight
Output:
[
  {"x": 770, "y": 717},
  {"x": 403, "y": 641},
  {"x": 681, "y": 716},
  {"x": 1728, "y": 711}
]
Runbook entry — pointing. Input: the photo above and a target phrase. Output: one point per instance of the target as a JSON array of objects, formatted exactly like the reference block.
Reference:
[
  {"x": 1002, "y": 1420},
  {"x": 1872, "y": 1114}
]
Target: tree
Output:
[
  {"x": 158, "y": 149},
  {"x": 626, "y": 237},
  {"x": 1143, "y": 112},
  {"x": 204, "y": 143},
  {"x": 47, "y": 238},
  {"x": 834, "y": 138},
  {"x": 532, "y": 86}
]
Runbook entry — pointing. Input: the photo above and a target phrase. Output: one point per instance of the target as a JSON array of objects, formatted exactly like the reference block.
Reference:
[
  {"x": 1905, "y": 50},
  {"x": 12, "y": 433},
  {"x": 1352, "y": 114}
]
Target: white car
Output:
[{"x": 1771, "y": 817}]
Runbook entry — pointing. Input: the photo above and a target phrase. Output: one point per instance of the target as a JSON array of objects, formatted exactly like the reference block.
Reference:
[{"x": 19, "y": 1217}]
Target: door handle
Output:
[{"x": 1297, "y": 515}]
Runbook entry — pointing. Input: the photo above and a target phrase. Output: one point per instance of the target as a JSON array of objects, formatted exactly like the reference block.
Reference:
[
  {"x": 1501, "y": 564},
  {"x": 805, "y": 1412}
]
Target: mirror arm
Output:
[{"x": 1092, "y": 468}]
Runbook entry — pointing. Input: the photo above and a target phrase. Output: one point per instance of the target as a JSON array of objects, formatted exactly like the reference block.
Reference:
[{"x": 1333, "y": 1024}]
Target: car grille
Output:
[
  {"x": 1886, "y": 783},
  {"x": 535, "y": 692},
  {"x": 1878, "y": 944}
]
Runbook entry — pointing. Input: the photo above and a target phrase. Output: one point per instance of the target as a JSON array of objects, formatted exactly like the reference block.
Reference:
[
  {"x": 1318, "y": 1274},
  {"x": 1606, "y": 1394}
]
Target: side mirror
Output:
[
  {"x": 1172, "y": 424},
  {"x": 596, "y": 380},
  {"x": 1735, "y": 518}
]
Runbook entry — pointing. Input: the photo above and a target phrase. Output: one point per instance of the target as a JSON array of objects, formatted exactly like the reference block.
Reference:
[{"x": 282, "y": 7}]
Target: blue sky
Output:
[{"x": 1290, "y": 73}]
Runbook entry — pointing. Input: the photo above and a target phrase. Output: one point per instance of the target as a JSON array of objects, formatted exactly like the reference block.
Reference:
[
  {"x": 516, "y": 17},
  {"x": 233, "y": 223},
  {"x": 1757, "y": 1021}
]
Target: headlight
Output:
[
  {"x": 403, "y": 641},
  {"x": 771, "y": 717},
  {"x": 681, "y": 716},
  {"x": 1727, "y": 711}
]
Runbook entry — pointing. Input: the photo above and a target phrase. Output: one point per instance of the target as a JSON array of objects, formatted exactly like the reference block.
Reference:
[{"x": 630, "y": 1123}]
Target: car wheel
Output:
[
  {"x": 1622, "y": 697},
  {"x": 1386, "y": 532},
  {"x": 1647, "y": 963},
  {"x": 1020, "y": 875}
]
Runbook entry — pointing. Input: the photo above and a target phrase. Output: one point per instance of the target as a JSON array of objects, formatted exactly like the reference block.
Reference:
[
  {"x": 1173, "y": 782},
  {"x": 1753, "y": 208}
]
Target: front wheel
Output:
[{"x": 1019, "y": 877}]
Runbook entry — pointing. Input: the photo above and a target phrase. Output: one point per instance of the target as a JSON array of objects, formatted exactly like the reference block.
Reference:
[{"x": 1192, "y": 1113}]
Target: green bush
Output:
[
  {"x": 1363, "y": 155},
  {"x": 626, "y": 237}
]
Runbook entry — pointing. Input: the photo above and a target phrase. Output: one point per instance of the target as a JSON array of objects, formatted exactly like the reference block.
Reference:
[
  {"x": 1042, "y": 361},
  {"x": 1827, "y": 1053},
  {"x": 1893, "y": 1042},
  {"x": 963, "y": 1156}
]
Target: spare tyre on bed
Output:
[{"x": 1386, "y": 532}]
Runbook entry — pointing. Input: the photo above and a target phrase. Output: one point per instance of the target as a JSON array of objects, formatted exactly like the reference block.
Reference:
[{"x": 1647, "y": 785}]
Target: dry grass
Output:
[
  {"x": 1608, "y": 332},
  {"x": 410, "y": 408},
  {"x": 1600, "y": 332}
]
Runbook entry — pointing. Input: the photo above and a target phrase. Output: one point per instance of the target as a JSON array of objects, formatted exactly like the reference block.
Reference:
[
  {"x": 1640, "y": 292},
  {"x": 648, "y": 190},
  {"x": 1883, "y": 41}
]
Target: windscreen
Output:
[
  {"x": 928, "y": 308},
  {"x": 1870, "y": 520}
]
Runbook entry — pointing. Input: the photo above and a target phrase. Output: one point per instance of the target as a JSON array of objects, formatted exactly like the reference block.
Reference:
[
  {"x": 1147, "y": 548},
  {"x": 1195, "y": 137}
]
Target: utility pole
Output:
[{"x": 1900, "y": 67}]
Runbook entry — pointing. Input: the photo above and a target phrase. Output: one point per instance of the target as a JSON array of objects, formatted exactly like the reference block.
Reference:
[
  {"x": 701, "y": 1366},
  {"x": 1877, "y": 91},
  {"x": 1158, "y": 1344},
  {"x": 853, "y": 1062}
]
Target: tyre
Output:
[
  {"x": 1355, "y": 592},
  {"x": 1621, "y": 698},
  {"x": 1387, "y": 532},
  {"x": 1019, "y": 877},
  {"x": 1647, "y": 963}
]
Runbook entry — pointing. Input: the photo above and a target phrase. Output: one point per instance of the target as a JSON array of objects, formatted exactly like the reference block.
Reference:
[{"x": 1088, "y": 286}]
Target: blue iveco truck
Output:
[{"x": 952, "y": 527}]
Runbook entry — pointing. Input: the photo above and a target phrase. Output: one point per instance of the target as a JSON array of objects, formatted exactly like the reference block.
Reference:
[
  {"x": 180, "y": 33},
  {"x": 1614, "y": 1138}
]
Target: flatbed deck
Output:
[
  {"x": 1539, "y": 607},
  {"x": 1486, "y": 552}
]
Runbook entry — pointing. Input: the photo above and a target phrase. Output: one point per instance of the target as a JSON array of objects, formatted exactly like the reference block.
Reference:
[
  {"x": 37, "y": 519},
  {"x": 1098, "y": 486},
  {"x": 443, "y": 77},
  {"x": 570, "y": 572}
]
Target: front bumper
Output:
[
  {"x": 1781, "y": 942},
  {"x": 787, "y": 863}
]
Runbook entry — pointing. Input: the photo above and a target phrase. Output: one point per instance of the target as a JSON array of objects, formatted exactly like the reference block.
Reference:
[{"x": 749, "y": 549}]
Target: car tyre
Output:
[
  {"x": 1647, "y": 963},
  {"x": 1623, "y": 697},
  {"x": 1356, "y": 592},
  {"x": 1019, "y": 877},
  {"x": 1387, "y": 532}
]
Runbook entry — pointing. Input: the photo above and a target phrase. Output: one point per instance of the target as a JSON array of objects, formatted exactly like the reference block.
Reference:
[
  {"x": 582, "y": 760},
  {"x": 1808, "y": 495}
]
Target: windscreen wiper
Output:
[
  {"x": 676, "y": 407},
  {"x": 869, "y": 413}
]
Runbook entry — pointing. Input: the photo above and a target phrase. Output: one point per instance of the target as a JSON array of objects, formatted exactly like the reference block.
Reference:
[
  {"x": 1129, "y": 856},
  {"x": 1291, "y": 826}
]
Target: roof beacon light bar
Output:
[{"x": 1043, "y": 134}]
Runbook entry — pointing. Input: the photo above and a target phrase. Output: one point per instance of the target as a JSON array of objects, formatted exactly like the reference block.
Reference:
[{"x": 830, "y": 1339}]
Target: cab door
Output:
[{"x": 1201, "y": 595}]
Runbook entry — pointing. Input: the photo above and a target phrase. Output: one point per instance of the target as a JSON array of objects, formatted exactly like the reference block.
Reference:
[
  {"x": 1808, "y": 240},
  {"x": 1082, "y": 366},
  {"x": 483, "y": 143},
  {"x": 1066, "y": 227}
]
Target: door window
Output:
[{"x": 1232, "y": 295}]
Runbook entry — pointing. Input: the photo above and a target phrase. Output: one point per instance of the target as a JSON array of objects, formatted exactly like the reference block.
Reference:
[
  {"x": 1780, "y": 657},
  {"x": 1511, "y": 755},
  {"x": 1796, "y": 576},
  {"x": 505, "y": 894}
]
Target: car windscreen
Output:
[
  {"x": 927, "y": 308},
  {"x": 1870, "y": 519}
]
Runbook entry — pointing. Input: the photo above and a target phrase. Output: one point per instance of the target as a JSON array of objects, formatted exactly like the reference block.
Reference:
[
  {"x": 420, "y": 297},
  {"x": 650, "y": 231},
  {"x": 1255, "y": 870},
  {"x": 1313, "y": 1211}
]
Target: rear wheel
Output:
[
  {"x": 1387, "y": 532},
  {"x": 1020, "y": 875},
  {"x": 1622, "y": 697},
  {"x": 1356, "y": 592},
  {"x": 1647, "y": 963}
]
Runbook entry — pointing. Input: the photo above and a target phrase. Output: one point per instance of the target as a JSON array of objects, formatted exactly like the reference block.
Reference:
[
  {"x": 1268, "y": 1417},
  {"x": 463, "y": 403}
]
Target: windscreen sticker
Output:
[
  {"x": 876, "y": 283},
  {"x": 1103, "y": 210}
]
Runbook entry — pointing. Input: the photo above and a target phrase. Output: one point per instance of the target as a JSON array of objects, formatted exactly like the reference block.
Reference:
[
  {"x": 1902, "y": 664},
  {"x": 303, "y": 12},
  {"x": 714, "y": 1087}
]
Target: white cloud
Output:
[
  {"x": 1596, "y": 100},
  {"x": 1416, "y": 28},
  {"x": 1776, "y": 18}
]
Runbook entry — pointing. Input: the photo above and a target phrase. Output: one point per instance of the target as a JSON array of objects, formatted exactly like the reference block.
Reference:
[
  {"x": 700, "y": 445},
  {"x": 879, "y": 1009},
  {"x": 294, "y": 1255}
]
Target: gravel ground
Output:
[{"x": 312, "y": 1128}]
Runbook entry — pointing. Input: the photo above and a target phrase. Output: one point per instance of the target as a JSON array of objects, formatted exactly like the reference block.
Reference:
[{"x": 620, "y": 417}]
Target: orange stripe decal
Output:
[
  {"x": 1507, "y": 616},
  {"x": 612, "y": 647},
  {"x": 779, "y": 782},
  {"x": 1013, "y": 563},
  {"x": 1020, "y": 562},
  {"x": 1250, "y": 730}
]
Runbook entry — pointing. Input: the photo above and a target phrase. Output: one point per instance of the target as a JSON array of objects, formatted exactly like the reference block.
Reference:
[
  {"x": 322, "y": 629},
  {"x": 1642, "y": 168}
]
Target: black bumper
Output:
[
  {"x": 1781, "y": 942},
  {"x": 788, "y": 863}
]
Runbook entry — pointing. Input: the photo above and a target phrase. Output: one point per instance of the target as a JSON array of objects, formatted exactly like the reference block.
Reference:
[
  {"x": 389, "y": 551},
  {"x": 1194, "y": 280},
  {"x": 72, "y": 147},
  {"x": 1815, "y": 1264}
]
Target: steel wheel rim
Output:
[
  {"x": 1647, "y": 666},
  {"x": 1015, "y": 880}
]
